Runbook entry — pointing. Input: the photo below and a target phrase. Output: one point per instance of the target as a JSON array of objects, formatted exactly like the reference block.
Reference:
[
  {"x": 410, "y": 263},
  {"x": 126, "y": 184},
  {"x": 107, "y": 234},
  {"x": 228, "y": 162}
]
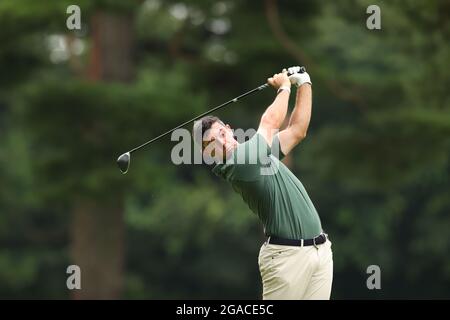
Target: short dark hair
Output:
[{"x": 201, "y": 126}]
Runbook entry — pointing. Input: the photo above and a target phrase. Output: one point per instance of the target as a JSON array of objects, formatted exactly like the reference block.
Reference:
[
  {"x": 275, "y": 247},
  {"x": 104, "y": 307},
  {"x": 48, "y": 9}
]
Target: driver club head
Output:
[{"x": 124, "y": 162}]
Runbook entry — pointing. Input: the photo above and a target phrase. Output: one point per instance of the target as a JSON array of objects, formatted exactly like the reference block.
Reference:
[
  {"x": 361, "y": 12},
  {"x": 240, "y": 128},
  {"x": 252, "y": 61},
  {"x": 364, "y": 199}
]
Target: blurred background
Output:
[{"x": 375, "y": 162}]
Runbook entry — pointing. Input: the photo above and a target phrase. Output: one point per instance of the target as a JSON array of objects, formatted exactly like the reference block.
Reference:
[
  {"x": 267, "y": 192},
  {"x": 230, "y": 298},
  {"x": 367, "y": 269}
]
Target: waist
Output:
[{"x": 320, "y": 239}]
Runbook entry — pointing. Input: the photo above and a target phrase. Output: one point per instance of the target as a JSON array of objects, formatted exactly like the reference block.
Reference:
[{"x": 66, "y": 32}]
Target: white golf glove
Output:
[{"x": 298, "y": 78}]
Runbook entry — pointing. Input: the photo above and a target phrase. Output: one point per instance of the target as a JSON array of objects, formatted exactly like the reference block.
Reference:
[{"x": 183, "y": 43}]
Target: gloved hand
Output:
[{"x": 297, "y": 78}]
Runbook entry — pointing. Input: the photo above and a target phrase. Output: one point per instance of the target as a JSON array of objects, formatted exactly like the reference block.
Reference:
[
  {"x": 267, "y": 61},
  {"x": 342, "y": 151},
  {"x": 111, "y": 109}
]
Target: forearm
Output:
[
  {"x": 301, "y": 115},
  {"x": 276, "y": 112}
]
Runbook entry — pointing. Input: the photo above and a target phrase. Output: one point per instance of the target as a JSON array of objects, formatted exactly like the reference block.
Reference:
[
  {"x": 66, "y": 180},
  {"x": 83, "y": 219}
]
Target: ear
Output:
[{"x": 228, "y": 126}]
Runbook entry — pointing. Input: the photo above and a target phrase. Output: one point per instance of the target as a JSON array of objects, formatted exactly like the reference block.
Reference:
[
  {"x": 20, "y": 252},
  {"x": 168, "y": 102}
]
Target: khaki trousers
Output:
[{"x": 294, "y": 273}]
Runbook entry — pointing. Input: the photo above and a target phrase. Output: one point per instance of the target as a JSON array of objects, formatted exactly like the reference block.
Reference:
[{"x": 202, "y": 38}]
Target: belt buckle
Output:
[{"x": 314, "y": 243}]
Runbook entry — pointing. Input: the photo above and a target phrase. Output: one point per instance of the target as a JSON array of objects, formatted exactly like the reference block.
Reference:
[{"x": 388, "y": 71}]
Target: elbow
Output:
[{"x": 299, "y": 135}]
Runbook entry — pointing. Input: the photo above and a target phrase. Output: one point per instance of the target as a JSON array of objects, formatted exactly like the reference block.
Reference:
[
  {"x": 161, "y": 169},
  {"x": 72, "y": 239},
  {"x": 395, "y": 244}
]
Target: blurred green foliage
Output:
[{"x": 375, "y": 163}]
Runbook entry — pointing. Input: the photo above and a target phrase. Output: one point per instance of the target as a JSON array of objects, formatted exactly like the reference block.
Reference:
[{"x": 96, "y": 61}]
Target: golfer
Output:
[{"x": 296, "y": 260}]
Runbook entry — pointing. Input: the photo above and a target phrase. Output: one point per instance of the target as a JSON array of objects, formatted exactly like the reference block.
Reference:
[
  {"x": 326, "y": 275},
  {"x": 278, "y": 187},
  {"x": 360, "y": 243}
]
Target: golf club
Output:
[{"x": 124, "y": 160}]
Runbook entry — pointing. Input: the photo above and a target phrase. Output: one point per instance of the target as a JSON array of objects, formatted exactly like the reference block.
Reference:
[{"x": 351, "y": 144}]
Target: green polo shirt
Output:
[{"x": 270, "y": 189}]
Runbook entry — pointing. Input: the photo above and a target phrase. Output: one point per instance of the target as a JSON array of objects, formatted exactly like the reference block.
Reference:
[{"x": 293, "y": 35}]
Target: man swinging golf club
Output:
[{"x": 296, "y": 260}]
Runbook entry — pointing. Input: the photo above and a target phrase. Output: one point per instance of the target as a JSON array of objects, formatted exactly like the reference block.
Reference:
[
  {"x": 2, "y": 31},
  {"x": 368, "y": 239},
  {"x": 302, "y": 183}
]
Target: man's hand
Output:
[
  {"x": 279, "y": 79},
  {"x": 298, "y": 78}
]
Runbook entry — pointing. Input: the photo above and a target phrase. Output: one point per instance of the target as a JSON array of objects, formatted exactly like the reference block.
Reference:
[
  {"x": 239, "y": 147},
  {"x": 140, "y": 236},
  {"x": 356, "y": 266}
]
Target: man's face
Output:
[{"x": 218, "y": 140}]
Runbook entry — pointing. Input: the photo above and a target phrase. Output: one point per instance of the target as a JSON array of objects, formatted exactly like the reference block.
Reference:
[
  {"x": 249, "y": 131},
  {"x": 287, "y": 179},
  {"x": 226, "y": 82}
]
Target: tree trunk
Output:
[
  {"x": 97, "y": 248},
  {"x": 112, "y": 43},
  {"x": 98, "y": 228}
]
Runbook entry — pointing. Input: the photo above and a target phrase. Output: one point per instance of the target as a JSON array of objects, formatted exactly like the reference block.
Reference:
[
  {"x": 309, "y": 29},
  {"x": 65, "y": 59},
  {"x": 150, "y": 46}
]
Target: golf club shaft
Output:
[{"x": 261, "y": 87}]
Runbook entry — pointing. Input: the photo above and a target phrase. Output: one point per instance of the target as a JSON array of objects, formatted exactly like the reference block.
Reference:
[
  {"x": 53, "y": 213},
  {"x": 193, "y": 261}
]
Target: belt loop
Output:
[
  {"x": 268, "y": 241},
  {"x": 301, "y": 243}
]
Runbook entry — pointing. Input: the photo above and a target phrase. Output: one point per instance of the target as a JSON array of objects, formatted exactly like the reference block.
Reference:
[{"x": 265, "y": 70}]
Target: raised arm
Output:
[
  {"x": 273, "y": 117},
  {"x": 301, "y": 115}
]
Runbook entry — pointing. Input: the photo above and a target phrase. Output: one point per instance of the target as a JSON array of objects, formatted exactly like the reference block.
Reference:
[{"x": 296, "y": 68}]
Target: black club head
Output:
[{"x": 124, "y": 162}]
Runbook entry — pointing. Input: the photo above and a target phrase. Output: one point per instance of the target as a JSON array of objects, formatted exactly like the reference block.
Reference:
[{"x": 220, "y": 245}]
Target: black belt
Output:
[{"x": 322, "y": 238}]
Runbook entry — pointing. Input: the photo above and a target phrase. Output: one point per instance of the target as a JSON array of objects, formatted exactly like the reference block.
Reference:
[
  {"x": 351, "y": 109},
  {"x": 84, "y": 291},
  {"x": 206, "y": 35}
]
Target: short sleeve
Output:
[
  {"x": 249, "y": 159},
  {"x": 254, "y": 151},
  {"x": 275, "y": 149}
]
